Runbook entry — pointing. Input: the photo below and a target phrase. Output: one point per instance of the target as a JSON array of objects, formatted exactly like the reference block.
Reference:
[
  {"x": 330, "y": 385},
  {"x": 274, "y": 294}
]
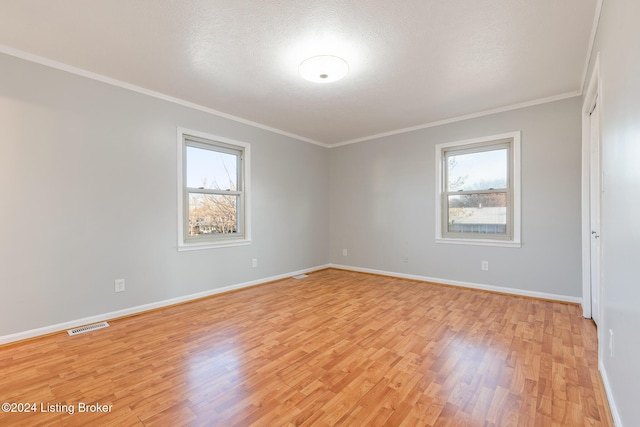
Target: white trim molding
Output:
[
  {"x": 461, "y": 284},
  {"x": 515, "y": 239},
  {"x": 128, "y": 86},
  {"x": 33, "y": 333},
  {"x": 592, "y": 94},
  {"x": 7, "y": 50},
  {"x": 617, "y": 421},
  {"x": 183, "y": 244},
  {"x": 532, "y": 103},
  {"x": 592, "y": 40}
]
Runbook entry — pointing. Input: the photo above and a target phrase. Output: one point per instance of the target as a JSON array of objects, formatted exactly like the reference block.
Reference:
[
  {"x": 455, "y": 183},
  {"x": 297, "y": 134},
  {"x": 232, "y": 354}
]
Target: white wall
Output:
[
  {"x": 88, "y": 185},
  {"x": 618, "y": 42},
  {"x": 383, "y": 195}
]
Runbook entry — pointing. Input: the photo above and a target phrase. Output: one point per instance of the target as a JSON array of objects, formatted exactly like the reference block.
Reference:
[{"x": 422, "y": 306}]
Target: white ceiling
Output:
[{"x": 412, "y": 62}]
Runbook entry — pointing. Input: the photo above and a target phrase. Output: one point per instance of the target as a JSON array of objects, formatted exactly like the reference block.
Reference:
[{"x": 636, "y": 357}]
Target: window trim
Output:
[
  {"x": 514, "y": 190},
  {"x": 205, "y": 140}
]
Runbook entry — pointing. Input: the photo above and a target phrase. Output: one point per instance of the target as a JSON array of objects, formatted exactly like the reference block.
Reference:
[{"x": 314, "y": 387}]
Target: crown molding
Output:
[
  {"x": 128, "y": 86},
  {"x": 461, "y": 118}
]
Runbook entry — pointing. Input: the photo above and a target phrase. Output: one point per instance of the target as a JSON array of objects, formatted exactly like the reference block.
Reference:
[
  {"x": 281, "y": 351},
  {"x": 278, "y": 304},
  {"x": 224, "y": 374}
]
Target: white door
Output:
[{"x": 595, "y": 190}]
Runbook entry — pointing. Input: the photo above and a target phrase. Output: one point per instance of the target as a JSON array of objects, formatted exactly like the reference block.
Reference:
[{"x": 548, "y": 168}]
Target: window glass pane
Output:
[
  {"x": 478, "y": 213},
  {"x": 212, "y": 170},
  {"x": 477, "y": 171},
  {"x": 212, "y": 214}
]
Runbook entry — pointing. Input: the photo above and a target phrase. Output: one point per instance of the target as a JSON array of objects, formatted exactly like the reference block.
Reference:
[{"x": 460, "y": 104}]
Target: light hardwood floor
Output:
[{"x": 335, "y": 348}]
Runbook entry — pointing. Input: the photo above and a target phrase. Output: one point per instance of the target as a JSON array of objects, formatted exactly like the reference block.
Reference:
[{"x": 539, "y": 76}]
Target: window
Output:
[
  {"x": 212, "y": 191},
  {"x": 478, "y": 191}
]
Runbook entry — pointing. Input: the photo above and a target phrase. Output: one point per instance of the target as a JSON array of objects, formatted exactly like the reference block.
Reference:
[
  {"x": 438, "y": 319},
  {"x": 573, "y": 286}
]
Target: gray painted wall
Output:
[
  {"x": 383, "y": 195},
  {"x": 618, "y": 42},
  {"x": 88, "y": 185}
]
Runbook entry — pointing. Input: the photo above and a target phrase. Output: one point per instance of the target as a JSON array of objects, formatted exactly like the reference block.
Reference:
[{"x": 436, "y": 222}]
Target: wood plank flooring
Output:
[{"x": 335, "y": 348}]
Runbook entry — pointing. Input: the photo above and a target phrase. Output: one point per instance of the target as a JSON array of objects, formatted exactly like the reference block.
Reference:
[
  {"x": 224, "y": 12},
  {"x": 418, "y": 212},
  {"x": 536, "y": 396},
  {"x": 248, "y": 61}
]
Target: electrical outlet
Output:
[
  {"x": 611, "y": 353},
  {"x": 344, "y": 252},
  {"x": 485, "y": 266},
  {"x": 119, "y": 285},
  {"x": 254, "y": 262}
]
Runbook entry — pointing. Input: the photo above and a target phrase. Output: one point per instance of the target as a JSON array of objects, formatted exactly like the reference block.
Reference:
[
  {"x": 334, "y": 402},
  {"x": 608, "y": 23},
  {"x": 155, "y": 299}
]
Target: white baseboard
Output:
[
  {"x": 5, "y": 339},
  {"x": 617, "y": 422},
  {"x": 510, "y": 291}
]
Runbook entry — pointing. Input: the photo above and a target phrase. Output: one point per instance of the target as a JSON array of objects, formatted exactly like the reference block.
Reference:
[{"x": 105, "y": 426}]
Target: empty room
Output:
[{"x": 288, "y": 213}]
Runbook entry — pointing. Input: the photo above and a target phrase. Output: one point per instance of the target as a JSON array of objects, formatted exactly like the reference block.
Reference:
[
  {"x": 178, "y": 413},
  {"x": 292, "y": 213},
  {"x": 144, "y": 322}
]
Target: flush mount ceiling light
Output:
[{"x": 323, "y": 69}]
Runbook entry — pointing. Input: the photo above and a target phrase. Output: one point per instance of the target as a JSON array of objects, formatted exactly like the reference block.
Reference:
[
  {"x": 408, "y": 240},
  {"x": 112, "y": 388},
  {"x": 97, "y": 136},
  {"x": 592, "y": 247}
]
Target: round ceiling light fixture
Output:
[{"x": 323, "y": 69}]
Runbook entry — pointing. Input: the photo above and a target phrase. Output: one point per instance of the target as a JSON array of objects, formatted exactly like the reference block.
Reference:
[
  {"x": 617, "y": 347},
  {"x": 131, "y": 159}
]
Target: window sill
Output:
[
  {"x": 480, "y": 242},
  {"x": 211, "y": 245}
]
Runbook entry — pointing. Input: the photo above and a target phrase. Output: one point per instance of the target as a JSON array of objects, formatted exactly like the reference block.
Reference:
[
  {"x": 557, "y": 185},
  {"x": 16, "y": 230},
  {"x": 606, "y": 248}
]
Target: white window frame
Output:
[
  {"x": 225, "y": 145},
  {"x": 514, "y": 207}
]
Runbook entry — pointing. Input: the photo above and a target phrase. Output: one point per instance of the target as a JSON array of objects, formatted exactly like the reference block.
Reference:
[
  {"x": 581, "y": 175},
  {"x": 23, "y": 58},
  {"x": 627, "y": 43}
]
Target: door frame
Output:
[{"x": 592, "y": 95}]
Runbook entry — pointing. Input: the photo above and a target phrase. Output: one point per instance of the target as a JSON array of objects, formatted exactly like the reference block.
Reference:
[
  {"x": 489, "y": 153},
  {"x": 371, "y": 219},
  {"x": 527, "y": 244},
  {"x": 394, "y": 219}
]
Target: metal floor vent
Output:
[
  {"x": 300, "y": 276},
  {"x": 83, "y": 329}
]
